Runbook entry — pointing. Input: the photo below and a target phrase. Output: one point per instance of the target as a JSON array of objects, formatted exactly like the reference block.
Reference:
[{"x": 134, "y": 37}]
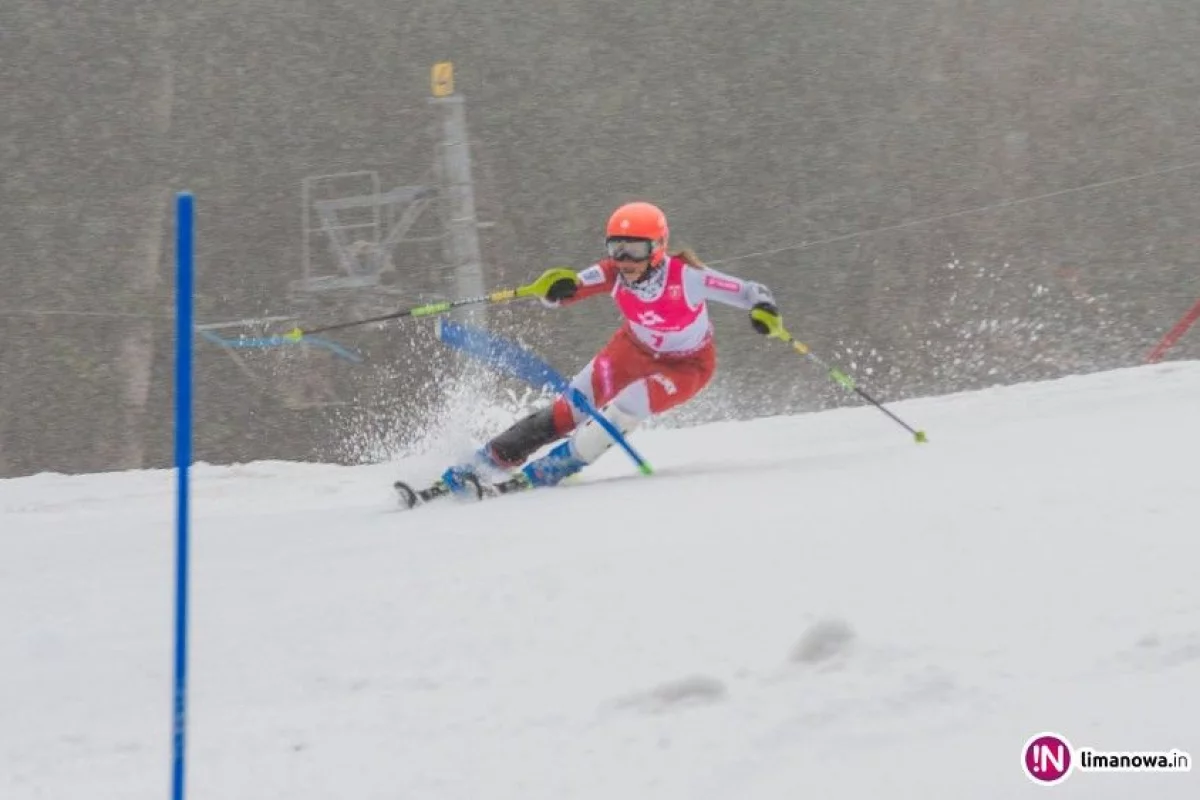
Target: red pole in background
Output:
[{"x": 1174, "y": 335}]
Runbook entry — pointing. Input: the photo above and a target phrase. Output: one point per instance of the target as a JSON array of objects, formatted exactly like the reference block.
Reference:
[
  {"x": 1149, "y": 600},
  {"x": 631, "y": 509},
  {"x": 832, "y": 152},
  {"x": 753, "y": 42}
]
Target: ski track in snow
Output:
[{"x": 795, "y": 606}]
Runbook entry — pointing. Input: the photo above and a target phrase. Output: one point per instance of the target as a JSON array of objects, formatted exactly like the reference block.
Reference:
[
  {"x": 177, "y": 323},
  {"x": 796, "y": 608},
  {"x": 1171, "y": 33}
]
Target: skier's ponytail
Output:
[{"x": 689, "y": 257}]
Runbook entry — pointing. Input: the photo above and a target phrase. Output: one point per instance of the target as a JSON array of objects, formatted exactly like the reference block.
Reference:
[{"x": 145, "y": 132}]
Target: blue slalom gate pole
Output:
[
  {"x": 183, "y": 463},
  {"x": 514, "y": 360}
]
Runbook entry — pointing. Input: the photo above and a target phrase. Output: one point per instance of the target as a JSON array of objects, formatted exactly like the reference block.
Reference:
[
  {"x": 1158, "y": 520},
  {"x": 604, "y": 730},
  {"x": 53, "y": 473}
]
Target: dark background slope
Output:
[{"x": 944, "y": 195}]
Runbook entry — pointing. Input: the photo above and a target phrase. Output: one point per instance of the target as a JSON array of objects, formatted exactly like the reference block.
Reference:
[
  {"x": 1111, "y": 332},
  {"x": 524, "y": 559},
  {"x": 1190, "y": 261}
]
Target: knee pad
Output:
[{"x": 590, "y": 440}]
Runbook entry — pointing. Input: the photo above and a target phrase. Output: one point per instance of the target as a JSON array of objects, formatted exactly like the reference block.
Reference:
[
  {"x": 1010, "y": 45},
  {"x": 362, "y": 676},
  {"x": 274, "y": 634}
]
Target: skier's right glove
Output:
[
  {"x": 562, "y": 289},
  {"x": 555, "y": 285},
  {"x": 765, "y": 319}
]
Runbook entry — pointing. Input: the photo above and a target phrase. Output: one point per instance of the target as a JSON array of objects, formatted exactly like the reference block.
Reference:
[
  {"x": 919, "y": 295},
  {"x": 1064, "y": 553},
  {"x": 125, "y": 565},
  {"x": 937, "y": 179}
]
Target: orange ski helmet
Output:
[{"x": 634, "y": 221}]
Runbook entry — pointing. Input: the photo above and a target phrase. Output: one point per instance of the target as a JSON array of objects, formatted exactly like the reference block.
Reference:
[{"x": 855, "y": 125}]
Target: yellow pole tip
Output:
[{"x": 920, "y": 437}]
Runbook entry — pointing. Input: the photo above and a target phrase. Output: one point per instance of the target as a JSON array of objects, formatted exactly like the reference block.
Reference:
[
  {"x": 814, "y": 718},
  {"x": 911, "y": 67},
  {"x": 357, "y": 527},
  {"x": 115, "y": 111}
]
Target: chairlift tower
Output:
[
  {"x": 461, "y": 245},
  {"x": 352, "y": 227},
  {"x": 352, "y": 230}
]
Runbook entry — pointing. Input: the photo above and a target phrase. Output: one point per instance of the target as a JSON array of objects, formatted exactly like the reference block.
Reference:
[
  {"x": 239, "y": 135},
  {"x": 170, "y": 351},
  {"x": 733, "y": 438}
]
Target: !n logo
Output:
[{"x": 1047, "y": 758}]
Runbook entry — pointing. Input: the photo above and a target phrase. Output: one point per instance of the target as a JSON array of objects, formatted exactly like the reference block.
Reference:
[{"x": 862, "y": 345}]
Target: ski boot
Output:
[
  {"x": 554, "y": 467},
  {"x": 468, "y": 479}
]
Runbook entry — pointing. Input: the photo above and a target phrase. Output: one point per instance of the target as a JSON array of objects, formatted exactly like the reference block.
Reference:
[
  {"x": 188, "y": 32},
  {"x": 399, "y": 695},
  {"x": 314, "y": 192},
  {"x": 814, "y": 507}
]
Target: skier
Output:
[{"x": 661, "y": 357}]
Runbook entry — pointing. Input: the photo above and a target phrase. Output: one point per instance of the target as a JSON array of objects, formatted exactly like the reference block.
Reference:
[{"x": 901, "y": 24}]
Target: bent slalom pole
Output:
[
  {"x": 581, "y": 402},
  {"x": 536, "y": 289},
  {"x": 515, "y": 361},
  {"x": 776, "y": 330}
]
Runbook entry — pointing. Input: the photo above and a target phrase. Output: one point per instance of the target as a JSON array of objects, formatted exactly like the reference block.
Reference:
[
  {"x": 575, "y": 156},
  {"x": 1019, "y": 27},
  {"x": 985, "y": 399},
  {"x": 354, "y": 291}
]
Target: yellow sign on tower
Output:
[{"x": 442, "y": 79}]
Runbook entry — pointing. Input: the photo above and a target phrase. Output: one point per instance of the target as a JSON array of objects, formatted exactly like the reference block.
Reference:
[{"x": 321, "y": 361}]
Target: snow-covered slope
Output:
[{"x": 811, "y": 606}]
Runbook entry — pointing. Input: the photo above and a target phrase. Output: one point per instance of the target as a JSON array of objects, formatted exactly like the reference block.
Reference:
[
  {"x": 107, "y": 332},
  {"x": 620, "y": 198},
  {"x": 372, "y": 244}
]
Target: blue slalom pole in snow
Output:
[
  {"x": 183, "y": 462},
  {"x": 518, "y": 362}
]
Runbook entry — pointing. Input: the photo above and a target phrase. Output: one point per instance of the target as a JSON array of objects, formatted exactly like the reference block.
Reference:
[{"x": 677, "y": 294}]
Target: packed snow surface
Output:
[{"x": 810, "y": 606}]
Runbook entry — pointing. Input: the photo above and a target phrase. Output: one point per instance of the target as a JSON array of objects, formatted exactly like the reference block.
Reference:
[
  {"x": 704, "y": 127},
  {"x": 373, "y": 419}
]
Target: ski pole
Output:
[
  {"x": 536, "y": 289},
  {"x": 777, "y": 331}
]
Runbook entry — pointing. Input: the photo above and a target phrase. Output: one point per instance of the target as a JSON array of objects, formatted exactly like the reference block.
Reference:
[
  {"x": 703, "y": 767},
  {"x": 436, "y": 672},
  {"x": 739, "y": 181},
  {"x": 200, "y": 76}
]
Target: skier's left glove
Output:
[{"x": 765, "y": 319}]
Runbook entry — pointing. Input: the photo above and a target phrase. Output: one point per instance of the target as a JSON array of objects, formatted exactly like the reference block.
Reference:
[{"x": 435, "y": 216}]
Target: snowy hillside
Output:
[{"x": 804, "y": 607}]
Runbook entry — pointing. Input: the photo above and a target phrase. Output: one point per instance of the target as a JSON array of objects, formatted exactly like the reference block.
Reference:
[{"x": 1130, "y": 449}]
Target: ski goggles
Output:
[{"x": 622, "y": 249}]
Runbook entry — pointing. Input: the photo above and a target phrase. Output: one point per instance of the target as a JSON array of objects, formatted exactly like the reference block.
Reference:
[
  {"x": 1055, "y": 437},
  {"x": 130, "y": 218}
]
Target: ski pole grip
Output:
[{"x": 541, "y": 287}]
